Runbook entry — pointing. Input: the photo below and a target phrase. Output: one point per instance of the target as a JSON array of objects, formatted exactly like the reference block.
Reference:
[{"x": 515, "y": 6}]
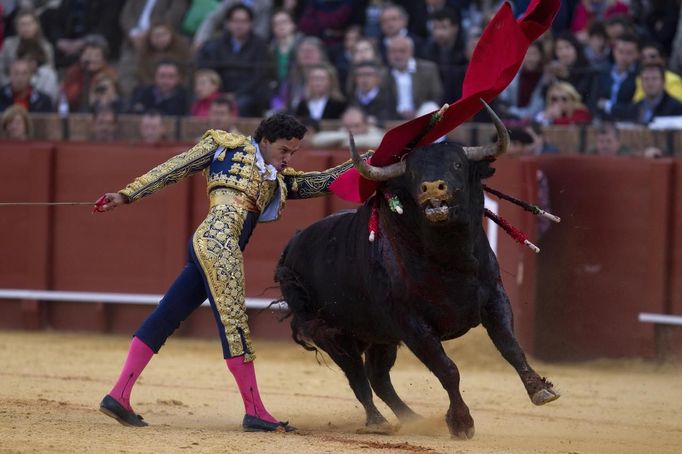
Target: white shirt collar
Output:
[
  {"x": 268, "y": 171},
  {"x": 404, "y": 95},
  {"x": 410, "y": 69},
  {"x": 316, "y": 107},
  {"x": 366, "y": 98}
]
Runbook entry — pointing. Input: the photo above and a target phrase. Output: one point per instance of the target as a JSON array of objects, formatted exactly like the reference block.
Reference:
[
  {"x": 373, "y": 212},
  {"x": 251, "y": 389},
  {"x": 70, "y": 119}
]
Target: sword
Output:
[
  {"x": 98, "y": 204},
  {"x": 19, "y": 204}
]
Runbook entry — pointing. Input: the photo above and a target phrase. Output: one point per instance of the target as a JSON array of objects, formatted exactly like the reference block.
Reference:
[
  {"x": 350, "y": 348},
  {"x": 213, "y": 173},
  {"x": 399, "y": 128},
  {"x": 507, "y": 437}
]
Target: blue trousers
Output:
[{"x": 187, "y": 292}]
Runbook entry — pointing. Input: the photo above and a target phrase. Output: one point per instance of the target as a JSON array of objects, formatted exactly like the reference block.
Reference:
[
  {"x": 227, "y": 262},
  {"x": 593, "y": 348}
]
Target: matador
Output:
[{"x": 248, "y": 181}]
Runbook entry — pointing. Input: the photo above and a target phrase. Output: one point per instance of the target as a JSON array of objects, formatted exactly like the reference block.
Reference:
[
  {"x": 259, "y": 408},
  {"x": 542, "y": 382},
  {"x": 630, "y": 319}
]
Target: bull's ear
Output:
[{"x": 483, "y": 168}]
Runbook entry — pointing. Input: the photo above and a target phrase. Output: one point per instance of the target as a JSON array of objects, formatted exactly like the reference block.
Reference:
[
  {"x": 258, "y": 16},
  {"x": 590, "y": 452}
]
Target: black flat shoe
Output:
[
  {"x": 110, "y": 407},
  {"x": 253, "y": 424}
]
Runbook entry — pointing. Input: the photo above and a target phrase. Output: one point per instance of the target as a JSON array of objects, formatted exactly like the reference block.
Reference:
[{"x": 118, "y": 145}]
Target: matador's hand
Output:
[{"x": 109, "y": 201}]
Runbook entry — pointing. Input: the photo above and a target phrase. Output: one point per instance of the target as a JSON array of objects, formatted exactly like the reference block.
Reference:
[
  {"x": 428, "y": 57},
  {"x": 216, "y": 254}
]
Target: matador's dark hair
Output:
[{"x": 279, "y": 126}]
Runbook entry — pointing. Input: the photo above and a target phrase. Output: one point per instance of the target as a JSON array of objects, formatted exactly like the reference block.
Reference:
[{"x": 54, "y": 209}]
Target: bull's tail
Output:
[
  {"x": 296, "y": 296},
  {"x": 307, "y": 327},
  {"x": 300, "y": 336}
]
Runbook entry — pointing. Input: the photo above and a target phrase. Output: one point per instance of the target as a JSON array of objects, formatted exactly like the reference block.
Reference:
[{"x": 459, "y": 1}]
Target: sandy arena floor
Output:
[{"x": 51, "y": 384}]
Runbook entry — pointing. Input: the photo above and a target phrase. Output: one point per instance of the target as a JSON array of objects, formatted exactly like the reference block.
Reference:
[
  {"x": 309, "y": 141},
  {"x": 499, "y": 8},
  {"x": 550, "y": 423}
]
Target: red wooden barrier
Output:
[
  {"x": 674, "y": 305},
  {"x": 616, "y": 253},
  {"x": 135, "y": 249},
  {"x": 607, "y": 261},
  {"x": 25, "y": 176},
  {"x": 669, "y": 338},
  {"x": 25, "y": 242},
  {"x": 517, "y": 177}
]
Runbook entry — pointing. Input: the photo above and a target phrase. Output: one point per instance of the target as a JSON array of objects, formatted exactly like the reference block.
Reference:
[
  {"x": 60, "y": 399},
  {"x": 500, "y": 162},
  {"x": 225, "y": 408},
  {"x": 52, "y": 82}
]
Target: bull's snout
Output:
[
  {"x": 434, "y": 197},
  {"x": 434, "y": 190}
]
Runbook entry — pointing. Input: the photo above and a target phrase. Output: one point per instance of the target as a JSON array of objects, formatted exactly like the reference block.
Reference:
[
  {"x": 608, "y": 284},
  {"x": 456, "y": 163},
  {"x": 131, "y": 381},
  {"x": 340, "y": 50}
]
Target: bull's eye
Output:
[{"x": 458, "y": 165}]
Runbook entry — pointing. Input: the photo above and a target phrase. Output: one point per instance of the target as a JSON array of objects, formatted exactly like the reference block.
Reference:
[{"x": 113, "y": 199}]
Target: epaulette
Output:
[
  {"x": 289, "y": 172},
  {"x": 229, "y": 140}
]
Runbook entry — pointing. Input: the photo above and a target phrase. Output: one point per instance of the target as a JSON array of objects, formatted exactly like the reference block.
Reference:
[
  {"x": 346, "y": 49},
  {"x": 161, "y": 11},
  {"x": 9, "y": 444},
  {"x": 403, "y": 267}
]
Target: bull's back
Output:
[
  {"x": 321, "y": 243},
  {"x": 327, "y": 272}
]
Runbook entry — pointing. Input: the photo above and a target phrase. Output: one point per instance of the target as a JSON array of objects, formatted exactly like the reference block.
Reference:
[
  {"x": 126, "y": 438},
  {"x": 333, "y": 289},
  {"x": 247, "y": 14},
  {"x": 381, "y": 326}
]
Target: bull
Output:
[{"x": 429, "y": 276}]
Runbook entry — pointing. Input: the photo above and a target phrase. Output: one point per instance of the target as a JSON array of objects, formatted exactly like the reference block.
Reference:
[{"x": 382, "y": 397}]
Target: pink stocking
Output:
[
  {"x": 139, "y": 355},
  {"x": 245, "y": 376}
]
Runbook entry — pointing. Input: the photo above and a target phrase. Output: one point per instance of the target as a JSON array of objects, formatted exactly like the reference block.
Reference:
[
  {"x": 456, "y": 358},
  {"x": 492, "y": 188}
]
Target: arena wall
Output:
[{"x": 614, "y": 255}]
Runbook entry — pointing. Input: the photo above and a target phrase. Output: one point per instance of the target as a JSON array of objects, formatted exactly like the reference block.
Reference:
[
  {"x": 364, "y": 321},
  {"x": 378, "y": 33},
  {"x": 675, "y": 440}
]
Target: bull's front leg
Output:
[
  {"x": 498, "y": 320},
  {"x": 428, "y": 348}
]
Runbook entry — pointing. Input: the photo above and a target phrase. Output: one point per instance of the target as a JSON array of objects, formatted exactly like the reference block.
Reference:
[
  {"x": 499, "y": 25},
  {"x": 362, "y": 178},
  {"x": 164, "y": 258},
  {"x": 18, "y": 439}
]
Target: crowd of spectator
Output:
[{"x": 360, "y": 61}]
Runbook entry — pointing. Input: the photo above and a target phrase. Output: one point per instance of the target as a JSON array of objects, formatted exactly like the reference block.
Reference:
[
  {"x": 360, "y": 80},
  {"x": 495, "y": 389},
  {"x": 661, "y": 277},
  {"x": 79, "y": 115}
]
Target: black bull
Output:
[{"x": 430, "y": 275}]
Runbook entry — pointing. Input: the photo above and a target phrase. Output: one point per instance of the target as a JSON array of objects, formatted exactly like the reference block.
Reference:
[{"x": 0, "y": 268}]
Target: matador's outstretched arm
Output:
[
  {"x": 175, "y": 169},
  {"x": 304, "y": 185}
]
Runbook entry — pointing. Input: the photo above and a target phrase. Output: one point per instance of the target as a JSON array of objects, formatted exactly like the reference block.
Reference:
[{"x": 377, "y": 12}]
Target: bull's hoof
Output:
[
  {"x": 467, "y": 434},
  {"x": 383, "y": 428},
  {"x": 545, "y": 396},
  {"x": 460, "y": 423}
]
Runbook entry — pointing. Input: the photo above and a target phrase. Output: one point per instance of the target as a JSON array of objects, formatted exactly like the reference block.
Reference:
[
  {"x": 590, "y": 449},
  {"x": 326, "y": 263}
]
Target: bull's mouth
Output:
[{"x": 436, "y": 210}]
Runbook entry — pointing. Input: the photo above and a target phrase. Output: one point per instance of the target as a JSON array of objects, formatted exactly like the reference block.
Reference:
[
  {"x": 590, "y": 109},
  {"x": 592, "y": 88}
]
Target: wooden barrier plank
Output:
[
  {"x": 75, "y": 316},
  {"x": 674, "y": 306},
  {"x": 128, "y": 129},
  {"x": 565, "y": 138},
  {"x": 11, "y": 316},
  {"x": 33, "y": 315},
  {"x": 660, "y": 232},
  {"x": 516, "y": 177},
  {"x": 25, "y": 242},
  {"x": 79, "y": 127},
  {"x": 601, "y": 267},
  {"x": 611, "y": 257},
  {"x": 137, "y": 248},
  {"x": 25, "y": 176},
  {"x": 676, "y": 143},
  {"x": 464, "y": 133},
  {"x": 125, "y": 319},
  {"x": 47, "y": 126},
  {"x": 192, "y": 128}
]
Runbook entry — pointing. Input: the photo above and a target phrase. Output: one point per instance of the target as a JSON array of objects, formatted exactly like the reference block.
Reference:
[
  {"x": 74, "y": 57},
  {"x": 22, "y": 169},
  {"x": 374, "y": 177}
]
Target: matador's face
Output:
[{"x": 279, "y": 152}]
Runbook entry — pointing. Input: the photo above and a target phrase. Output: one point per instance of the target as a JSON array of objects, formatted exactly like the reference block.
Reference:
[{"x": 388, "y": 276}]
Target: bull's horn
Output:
[
  {"x": 371, "y": 172},
  {"x": 491, "y": 150}
]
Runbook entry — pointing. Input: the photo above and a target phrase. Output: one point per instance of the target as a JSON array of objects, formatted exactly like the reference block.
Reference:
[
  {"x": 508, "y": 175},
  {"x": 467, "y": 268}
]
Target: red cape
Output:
[{"x": 494, "y": 63}]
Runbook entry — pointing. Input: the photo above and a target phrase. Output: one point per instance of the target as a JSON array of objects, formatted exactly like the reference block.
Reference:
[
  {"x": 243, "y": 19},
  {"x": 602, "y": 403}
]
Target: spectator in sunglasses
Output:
[{"x": 563, "y": 106}]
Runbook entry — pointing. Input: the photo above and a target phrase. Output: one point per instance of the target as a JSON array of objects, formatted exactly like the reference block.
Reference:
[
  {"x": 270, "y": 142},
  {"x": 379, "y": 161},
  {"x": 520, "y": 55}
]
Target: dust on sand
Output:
[{"x": 51, "y": 385}]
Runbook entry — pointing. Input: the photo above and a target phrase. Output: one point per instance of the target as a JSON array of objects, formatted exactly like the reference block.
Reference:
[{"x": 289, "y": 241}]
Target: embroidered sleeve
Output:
[
  {"x": 175, "y": 169},
  {"x": 304, "y": 185}
]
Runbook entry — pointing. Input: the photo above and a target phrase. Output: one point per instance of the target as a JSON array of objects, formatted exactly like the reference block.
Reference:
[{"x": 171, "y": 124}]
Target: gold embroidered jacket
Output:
[{"x": 229, "y": 161}]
